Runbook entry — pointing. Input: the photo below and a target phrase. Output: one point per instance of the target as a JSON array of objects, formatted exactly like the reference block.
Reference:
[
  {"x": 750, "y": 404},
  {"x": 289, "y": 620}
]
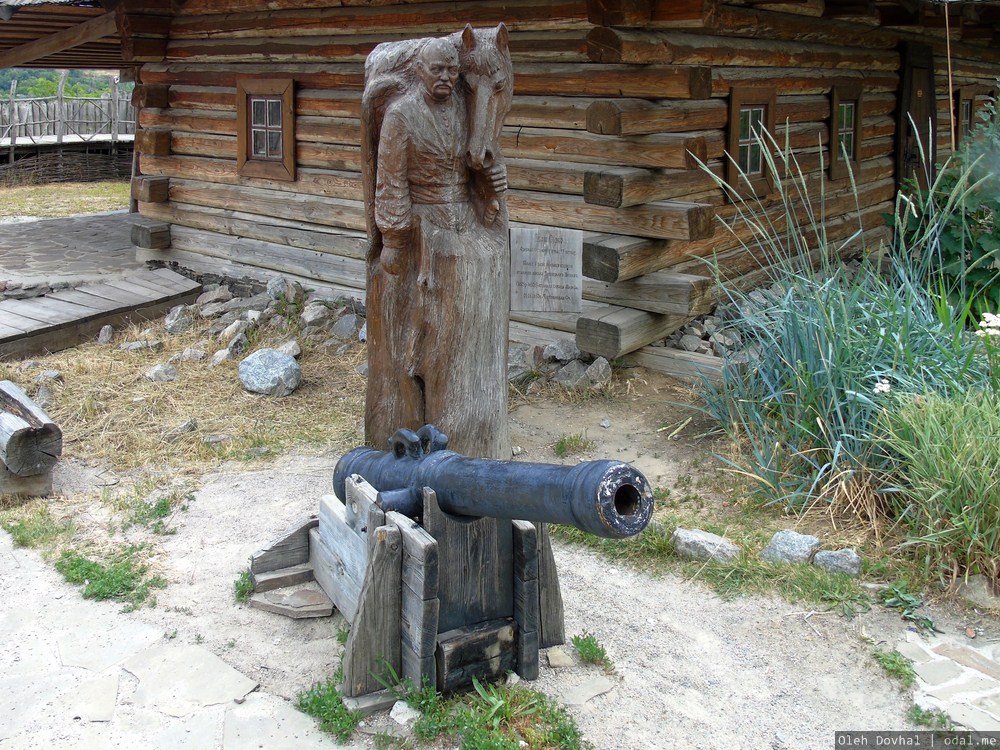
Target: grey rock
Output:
[
  {"x": 238, "y": 344},
  {"x": 185, "y": 427},
  {"x": 315, "y": 313},
  {"x": 282, "y": 288},
  {"x": 234, "y": 329},
  {"x": 192, "y": 354},
  {"x": 161, "y": 373},
  {"x": 572, "y": 375},
  {"x": 219, "y": 357},
  {"x": 240, "y": 304},
  {"x": 694, "y": 328},
  {"x": 216, "y": 439},
  {"x": 362, "y": 369},
  {"x": 223, "y": 322},
  {"x": 28, "y": 291},
  {"x": 291, "y": 348},
  {"x": 787, "y": 546},
  {"x": 43, "y": 397},
  {"x": 220, "y": 294},
  {"x": 690, "y": 343},
  {"x": 49, "y": 376},
  {"x": 403, "y": 713},
  {"x": 107, "y": 333},
  {"x": 561, "y": 350},
  {"x": 840, "y": 561},
  {"x": 979, "y": 591},
  {"x": 347, "y": 327},
  {"x": 270, "y": 372},
  {"x": 363, "y": 333},
  {"x": 255, "y": 317},
  {"x": 695, "y": 544},
  {"x": 212, "y": 310},
  {"x": 178, "y": 320},
  {"x": 605, "y": 423},
  {"x": 599, "y": 372},
  {"x": 595, "y": 686},
  {"x": 559, "y": 658},
  {"x": 152, "y": 345},
  {"x": 520, "y": 363},
  {"x": 516, "y": 450}
]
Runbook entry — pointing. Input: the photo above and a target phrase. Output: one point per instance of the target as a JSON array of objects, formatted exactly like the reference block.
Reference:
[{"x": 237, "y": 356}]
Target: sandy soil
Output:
[{"x": 691, "y": 670}]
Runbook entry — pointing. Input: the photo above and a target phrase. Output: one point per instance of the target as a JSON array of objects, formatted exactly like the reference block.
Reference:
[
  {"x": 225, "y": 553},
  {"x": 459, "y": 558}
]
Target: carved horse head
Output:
[{"x": 484, "y": 57}]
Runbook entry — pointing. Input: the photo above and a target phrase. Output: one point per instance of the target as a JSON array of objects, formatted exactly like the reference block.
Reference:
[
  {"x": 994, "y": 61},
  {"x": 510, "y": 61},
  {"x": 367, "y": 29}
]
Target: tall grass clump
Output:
[{"x": 832, "y": 350}]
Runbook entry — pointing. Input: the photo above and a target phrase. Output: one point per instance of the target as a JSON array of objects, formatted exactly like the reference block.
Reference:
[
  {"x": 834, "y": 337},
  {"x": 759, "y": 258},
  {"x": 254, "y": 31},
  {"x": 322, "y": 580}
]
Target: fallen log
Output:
[{"x": 30, "y": 442}]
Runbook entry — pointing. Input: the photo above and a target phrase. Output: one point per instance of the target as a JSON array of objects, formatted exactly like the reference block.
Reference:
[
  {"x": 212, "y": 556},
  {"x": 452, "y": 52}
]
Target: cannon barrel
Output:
[{"x": 606, "y": 498}]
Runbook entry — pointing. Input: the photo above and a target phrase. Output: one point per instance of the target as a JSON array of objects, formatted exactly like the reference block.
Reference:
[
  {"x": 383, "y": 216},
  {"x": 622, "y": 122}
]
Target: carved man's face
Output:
[{"x": 437, "y": 68}]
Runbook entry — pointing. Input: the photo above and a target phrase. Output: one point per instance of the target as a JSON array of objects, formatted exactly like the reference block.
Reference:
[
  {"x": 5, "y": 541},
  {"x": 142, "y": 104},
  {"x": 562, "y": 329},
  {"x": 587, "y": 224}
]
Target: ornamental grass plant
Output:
[{"x": 842, "y": 363}]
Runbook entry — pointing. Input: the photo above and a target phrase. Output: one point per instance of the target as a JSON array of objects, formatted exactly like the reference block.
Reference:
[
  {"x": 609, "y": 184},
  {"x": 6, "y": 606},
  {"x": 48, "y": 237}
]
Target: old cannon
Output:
[
  {"x": 606, "y": 498},
  {"x": 441, "y": 563}
]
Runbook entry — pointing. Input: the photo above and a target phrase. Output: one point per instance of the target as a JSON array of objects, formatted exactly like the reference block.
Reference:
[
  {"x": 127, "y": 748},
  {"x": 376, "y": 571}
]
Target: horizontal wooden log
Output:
[
  {"x": 150, "y": 189},
  {"x": 306, "y": 264},
  {"x": 798, "y": 80},
  {"x": 687, "y": 367},
  {"x": 680, "y": 151},
  {"x": 664, "y": 220},
  {"x": 660, "y": 292},
  {"x": 608, "y": 45},
  {"x": 628, "y": 186},
  {"x": 312, "y": 237},
  {"x": 413, "y": 19},
  {"x": 148, "y": 97},
  {"x": 668, "y": 14},
  {"x": 615, "y": 330},
  {"x": 642, "y": 117},
  {"x": 613, "y": 257},
  {"x": 30, "y": 442},
  {"x": 536, "y": 79}
]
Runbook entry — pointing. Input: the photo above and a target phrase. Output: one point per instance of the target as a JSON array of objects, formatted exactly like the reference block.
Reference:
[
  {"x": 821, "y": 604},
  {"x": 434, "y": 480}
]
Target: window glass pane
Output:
[
  {"x": 274, "y": 113},
  {"x": 847, "y": 143},
  {"x": 849, "y": 108},
  {"x": 744, "y": 124},
  {"x": 259, "y": 142},
  {"x": 756, "y": 118},
  {"x": 755, "y": 160},
  {"x": 258, "y": 112},
  {"x": 744, "y": 158},
  {"x": 274, "y": 143}
]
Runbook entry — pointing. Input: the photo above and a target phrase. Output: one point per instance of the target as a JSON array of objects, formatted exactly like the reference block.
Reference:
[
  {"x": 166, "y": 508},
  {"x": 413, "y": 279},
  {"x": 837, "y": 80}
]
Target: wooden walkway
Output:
[{"x": 69, "y": 317}]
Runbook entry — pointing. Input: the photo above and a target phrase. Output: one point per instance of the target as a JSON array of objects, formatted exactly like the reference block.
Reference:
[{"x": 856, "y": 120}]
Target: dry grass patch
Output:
[
  {"x": 111, "y": 414},
  {"x": 65, "y": 199}
]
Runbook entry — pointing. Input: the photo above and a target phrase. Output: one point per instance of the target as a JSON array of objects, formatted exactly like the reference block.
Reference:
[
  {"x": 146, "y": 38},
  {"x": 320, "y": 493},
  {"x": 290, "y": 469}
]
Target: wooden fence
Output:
[{"x": 59, "y": 118}]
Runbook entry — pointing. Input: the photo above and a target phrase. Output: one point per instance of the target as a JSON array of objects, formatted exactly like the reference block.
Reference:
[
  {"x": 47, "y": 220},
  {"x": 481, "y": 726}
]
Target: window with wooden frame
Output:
[
  {"x": 968, "y": 102},
  {"x": 751, "y": 111},
  {"x": 845, "y": 129},
  {"x": 265, "y": 128}
]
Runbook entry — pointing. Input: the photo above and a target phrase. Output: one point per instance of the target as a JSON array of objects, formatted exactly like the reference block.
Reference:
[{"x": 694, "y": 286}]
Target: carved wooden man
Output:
[{"x": 438, "y": 274}]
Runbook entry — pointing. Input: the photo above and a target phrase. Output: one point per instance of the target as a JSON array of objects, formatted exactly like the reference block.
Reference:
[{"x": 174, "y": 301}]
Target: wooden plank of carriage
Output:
[{"x": 59, "y": 321}]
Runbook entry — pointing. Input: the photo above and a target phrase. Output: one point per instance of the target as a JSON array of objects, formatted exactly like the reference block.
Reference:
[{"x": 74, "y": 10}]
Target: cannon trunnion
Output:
[{"x": 442, "y": 563}]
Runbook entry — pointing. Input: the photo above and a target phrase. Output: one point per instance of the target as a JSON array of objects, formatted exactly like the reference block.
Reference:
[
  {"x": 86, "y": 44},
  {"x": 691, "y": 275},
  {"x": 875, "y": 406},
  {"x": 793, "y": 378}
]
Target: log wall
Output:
[{"x": 616, "y": 103}]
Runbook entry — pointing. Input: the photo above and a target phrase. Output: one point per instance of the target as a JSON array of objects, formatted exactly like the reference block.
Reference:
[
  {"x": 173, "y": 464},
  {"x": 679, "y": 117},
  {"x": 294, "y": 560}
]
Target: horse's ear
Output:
[
  {"x": 503, "y": 36},
  {"x": 468, "y": 37}
]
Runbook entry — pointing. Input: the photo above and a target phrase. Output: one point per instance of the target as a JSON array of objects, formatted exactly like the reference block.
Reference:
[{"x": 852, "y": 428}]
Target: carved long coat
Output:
[{"x": 438, "y": 329}]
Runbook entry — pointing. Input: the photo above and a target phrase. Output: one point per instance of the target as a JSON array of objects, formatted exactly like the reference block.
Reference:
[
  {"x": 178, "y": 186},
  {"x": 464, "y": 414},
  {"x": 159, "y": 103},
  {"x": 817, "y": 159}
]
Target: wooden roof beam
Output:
[{"x": 74, "y": 36}]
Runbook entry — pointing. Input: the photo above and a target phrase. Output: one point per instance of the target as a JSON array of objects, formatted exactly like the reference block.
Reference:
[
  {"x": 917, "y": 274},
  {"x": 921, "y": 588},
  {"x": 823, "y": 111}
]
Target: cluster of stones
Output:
[
  {"x": 786, "y": 547},
  {"x": 282, "y": 310},
  {"x": 27, "y": 290},
  {"x": 561, "y": 362}
]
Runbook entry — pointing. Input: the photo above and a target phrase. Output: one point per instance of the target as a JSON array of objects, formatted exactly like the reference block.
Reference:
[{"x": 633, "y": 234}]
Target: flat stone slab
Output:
[
  {"x": 970, "y": 658},
  {"x": 937, "y": 672},
  {"x": 99, "y": 644},
  {"x": 588, "y": 690},
  {"x": 309, "y": 601},
  {"x": 558, "y": 658},
  {"x": 970, "y": 685},
  {"x": 266, "y": 722},
  {"x": 95, "y": 699},
  {"x": 178, "y": 679},
  {"x": 973, "y": 718}
]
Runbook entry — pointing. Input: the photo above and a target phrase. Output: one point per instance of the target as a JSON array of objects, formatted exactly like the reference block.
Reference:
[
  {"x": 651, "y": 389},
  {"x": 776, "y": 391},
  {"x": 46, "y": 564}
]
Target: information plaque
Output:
[{"x": 546, "y": 269}]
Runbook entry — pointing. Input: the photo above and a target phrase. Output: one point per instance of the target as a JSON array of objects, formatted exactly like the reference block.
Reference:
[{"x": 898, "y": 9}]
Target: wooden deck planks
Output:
[{"x": 71, "y": 316}]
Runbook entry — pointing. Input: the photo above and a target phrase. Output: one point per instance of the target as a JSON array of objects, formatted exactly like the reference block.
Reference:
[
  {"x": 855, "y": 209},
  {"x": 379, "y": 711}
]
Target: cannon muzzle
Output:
[{"x": 609, "y": 499}]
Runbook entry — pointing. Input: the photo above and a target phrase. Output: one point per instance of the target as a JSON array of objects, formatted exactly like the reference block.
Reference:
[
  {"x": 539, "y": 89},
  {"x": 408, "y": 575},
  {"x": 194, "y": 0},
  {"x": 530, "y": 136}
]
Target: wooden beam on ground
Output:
[
  {"x": 74, "y": 36},
  {"x": 661, "y": 292}
]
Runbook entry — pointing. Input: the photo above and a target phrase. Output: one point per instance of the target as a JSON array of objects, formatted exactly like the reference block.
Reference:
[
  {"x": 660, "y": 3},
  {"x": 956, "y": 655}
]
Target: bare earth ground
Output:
[{"x": 691, "y": 670}]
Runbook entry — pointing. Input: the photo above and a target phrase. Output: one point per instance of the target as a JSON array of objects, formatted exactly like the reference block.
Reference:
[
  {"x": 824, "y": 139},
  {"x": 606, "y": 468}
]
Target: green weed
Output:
[
  {"x": 325, "y": 703},
  {"x": 122, "y": 578},
  {"x": 243, "y": 587},
  {"x": 32, "y": 525},
  {"x": 591, "y": 651},
  {"x": 896, "y": 665},
  {"x": 929, "y": 717},
  {"x": 899, "y": 597},
  {"x": 571, "y": 445}
]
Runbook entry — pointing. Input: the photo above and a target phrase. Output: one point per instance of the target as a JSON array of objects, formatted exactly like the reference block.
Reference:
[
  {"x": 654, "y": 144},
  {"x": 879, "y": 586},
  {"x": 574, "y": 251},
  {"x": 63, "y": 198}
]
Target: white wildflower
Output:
[{"x": 882, "y": 386}]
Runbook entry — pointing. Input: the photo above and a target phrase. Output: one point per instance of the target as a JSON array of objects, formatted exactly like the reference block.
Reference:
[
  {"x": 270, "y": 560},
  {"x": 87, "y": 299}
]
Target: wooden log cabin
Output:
[{"x": 616, "y": 103}]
